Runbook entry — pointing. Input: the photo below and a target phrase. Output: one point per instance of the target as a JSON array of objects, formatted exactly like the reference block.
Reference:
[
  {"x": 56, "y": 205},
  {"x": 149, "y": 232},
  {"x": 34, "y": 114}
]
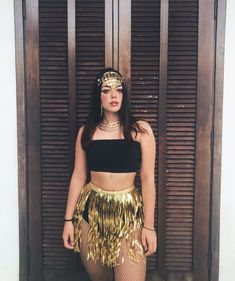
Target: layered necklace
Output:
[{"x": 111, "y": 126}]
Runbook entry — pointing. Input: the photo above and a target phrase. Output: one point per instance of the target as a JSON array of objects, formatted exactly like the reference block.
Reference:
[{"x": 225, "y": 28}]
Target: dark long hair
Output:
[{"x": 127, "y": 120}]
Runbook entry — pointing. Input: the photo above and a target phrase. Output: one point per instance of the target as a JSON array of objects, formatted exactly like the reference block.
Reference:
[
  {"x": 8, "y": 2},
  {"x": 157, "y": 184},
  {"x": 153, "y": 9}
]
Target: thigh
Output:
[
  {"x": 130, "y": 270},
  {"x": 96, "y": 271}
]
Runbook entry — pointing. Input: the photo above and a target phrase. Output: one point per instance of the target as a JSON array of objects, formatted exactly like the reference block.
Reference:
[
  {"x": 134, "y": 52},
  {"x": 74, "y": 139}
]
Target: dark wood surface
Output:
[
  {"x": 124, "y": 44},
  {"x": 115, "y": 34},
  {"x": 169, "y": 64},
  {"x": 145, "y": 41},
  {"x": 33, "y": 142},
  {"x": 90, "y": 51},
  {"x": 22, "y": 140},
  {"x": 220, "y": 15},
  {"x": 57, "y": 97},
  {"x": 180, "y": 138},
  {"x": 109, "y": 33},
  {"x": 162, "y": 138},
  {"x": 71, "y": 10},
  {"x": 204, "y": 121}
]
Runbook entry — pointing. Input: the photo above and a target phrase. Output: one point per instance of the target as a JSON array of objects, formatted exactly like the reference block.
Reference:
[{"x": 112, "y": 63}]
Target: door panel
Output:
[
  {"x": 54, "y": 128},
  {"x": 180, "y": 136},
  {"x": 145, "y": 55},
  {"x": 161, "y": 53}
]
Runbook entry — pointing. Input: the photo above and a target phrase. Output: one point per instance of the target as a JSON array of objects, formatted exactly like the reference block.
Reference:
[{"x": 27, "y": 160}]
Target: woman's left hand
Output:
[{"x": 149, "y": 241}]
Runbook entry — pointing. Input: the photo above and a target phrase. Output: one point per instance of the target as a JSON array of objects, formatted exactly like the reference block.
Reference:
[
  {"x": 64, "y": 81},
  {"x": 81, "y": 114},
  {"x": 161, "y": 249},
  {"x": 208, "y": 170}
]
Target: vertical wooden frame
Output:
[
  {"x": 201, "y": 262},
  {"x": 31, "y": 33},
  {"x": 220, "y": 14},
  {"x": 108, "y": 33},
  {"x": 115, "y": 33},
  {"x": 125, "y": 40},
  {"x": 162, "y": 135},
  {"x": 22, "y": 139},
  {"x": 72, "y": 74},
  {"x": 118, "y": 36}
]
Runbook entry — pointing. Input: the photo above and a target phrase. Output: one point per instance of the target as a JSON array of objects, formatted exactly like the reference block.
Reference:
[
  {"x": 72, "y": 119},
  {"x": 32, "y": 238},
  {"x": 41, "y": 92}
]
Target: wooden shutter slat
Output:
[
  {"x": 55, "y": 144},
  {"x": 181, "y": 125},
  {"x": 145, "y": 67},
  {"x": 90, "y": 51}
]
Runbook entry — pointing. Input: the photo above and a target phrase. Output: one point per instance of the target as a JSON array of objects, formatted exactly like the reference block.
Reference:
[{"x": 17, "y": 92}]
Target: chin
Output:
[{"x": 114, "y": 109}]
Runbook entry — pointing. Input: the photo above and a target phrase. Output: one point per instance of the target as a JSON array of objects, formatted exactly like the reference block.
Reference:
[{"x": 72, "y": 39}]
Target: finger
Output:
[
  {"x": 144, "y": 242},
  {"x": 152, "y": 246},
  {"x": 66, "y": 242},
  {"x": 148, "y": 253},
  {"x": 68, "y": 246},
  {"x": 155, "y": 246},
  {"x": 72, "y": 239},
  {"x": 150, "y": 250}
]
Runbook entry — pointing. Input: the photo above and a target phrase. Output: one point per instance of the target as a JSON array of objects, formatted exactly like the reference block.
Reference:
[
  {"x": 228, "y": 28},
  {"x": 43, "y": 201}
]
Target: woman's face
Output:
[{"x": 111, "y": 97}]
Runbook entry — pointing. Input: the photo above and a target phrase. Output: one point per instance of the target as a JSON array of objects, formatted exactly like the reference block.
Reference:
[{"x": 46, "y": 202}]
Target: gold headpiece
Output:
[{"x": 112, "y": 78}]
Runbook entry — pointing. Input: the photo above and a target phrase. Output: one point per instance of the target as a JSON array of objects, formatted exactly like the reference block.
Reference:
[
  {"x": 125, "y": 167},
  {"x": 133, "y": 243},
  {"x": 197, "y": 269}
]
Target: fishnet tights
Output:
[{"x": 127, "y": 271}]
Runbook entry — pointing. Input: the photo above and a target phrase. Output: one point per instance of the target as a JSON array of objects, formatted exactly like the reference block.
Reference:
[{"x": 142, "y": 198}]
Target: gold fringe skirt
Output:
[{"x": 113, "y": 215}]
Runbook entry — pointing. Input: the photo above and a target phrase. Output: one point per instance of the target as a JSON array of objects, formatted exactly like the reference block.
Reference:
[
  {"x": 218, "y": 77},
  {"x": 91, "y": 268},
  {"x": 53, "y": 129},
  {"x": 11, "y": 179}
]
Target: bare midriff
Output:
[{"x": 112, "y": 181}]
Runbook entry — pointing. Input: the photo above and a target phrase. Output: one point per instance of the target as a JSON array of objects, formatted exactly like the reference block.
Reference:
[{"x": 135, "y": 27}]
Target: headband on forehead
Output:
[{"x": 111, "y": 77}]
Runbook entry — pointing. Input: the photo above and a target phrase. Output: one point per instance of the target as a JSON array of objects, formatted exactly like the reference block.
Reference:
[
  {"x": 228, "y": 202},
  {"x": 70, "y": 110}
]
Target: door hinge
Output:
[
  {"x": 24, "y": 9},
  {"x": 215, "y": 9}
]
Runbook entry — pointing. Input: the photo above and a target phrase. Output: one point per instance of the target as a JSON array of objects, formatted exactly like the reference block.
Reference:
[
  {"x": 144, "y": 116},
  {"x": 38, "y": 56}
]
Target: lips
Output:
[{"x": 114, "y": 103}]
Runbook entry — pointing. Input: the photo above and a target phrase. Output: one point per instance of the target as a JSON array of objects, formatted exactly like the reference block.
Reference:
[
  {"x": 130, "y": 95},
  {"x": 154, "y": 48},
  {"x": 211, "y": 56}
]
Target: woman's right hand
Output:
[{"x": 68, "y": 235}]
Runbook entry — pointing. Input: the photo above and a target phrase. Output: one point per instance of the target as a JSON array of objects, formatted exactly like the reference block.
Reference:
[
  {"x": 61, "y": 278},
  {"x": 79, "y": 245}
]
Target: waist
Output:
[
  {"x": 112, "y": 181},
  {"x": 108, "y": 190}
]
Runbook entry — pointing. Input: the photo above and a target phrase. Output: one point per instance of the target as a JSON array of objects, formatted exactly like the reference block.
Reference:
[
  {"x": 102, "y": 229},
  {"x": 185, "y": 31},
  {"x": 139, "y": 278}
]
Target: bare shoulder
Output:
[
  {"x": 80, "y": 157},
  {"x": 80, "y": 130},
  {"x": 79, "y": 135}
]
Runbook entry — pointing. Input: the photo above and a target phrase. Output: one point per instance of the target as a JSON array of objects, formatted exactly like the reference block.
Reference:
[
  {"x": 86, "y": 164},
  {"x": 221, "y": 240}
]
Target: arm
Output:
[
  {"x": 148, "y": 148},
  {"x": 147, "y": 174},
  {"x": 77, "y": 181},
  {"x": 78, "y": 178}
]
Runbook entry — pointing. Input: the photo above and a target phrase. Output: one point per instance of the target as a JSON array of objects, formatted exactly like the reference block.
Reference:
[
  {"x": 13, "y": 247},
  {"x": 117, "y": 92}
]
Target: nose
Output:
[{"x": 113, "y": 92}]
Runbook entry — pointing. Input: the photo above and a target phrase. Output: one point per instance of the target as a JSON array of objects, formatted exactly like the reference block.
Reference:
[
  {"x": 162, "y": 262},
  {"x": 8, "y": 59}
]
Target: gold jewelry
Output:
[
  {"x": 111, "y": 78},
  {"x": 111, "y": 126}
]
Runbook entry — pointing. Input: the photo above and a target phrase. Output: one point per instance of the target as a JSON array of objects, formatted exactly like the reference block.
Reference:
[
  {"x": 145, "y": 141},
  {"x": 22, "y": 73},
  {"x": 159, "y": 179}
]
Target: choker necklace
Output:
[{"x": 111, "y": 126}]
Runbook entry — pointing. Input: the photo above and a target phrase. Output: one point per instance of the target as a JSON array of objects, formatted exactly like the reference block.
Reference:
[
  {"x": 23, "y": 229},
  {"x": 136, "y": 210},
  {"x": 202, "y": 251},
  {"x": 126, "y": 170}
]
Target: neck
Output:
[{"x": 110, "y": 117}]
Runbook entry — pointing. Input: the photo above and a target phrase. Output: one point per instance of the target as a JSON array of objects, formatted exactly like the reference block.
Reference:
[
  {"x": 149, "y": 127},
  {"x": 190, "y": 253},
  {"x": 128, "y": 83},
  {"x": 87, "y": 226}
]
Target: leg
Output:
[
  {"x": 96, "y": 271},
  {"x": 128, "y": 270}
]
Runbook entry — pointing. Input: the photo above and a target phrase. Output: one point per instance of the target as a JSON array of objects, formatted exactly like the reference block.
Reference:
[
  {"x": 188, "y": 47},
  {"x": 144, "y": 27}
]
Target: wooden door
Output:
[{"x": 165, "y": 49}]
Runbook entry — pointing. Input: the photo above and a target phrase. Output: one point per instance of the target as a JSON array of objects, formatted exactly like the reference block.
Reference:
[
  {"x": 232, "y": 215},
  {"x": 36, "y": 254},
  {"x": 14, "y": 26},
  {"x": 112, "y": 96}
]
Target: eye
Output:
[
  {"x": 105, "y": 91},
  {"x": 119, "y": 90}
]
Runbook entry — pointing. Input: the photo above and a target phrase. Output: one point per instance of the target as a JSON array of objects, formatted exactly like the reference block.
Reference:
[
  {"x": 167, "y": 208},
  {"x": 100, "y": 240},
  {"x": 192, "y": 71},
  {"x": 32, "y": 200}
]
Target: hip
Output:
[{"x": 113, "y": 215}]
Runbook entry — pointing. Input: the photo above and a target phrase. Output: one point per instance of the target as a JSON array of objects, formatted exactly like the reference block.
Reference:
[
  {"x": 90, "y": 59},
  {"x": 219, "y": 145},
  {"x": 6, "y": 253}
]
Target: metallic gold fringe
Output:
[{"x": 113, "y": 215}]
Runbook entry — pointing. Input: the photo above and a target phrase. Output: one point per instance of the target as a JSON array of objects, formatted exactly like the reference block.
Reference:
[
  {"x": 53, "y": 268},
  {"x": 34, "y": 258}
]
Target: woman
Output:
[{"x": 106, "y": 220}]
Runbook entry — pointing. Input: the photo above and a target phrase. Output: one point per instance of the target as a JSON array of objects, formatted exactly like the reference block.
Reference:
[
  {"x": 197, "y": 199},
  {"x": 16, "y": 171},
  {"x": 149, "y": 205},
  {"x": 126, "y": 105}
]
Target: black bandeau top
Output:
[{"x": 113, "y": 155}]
